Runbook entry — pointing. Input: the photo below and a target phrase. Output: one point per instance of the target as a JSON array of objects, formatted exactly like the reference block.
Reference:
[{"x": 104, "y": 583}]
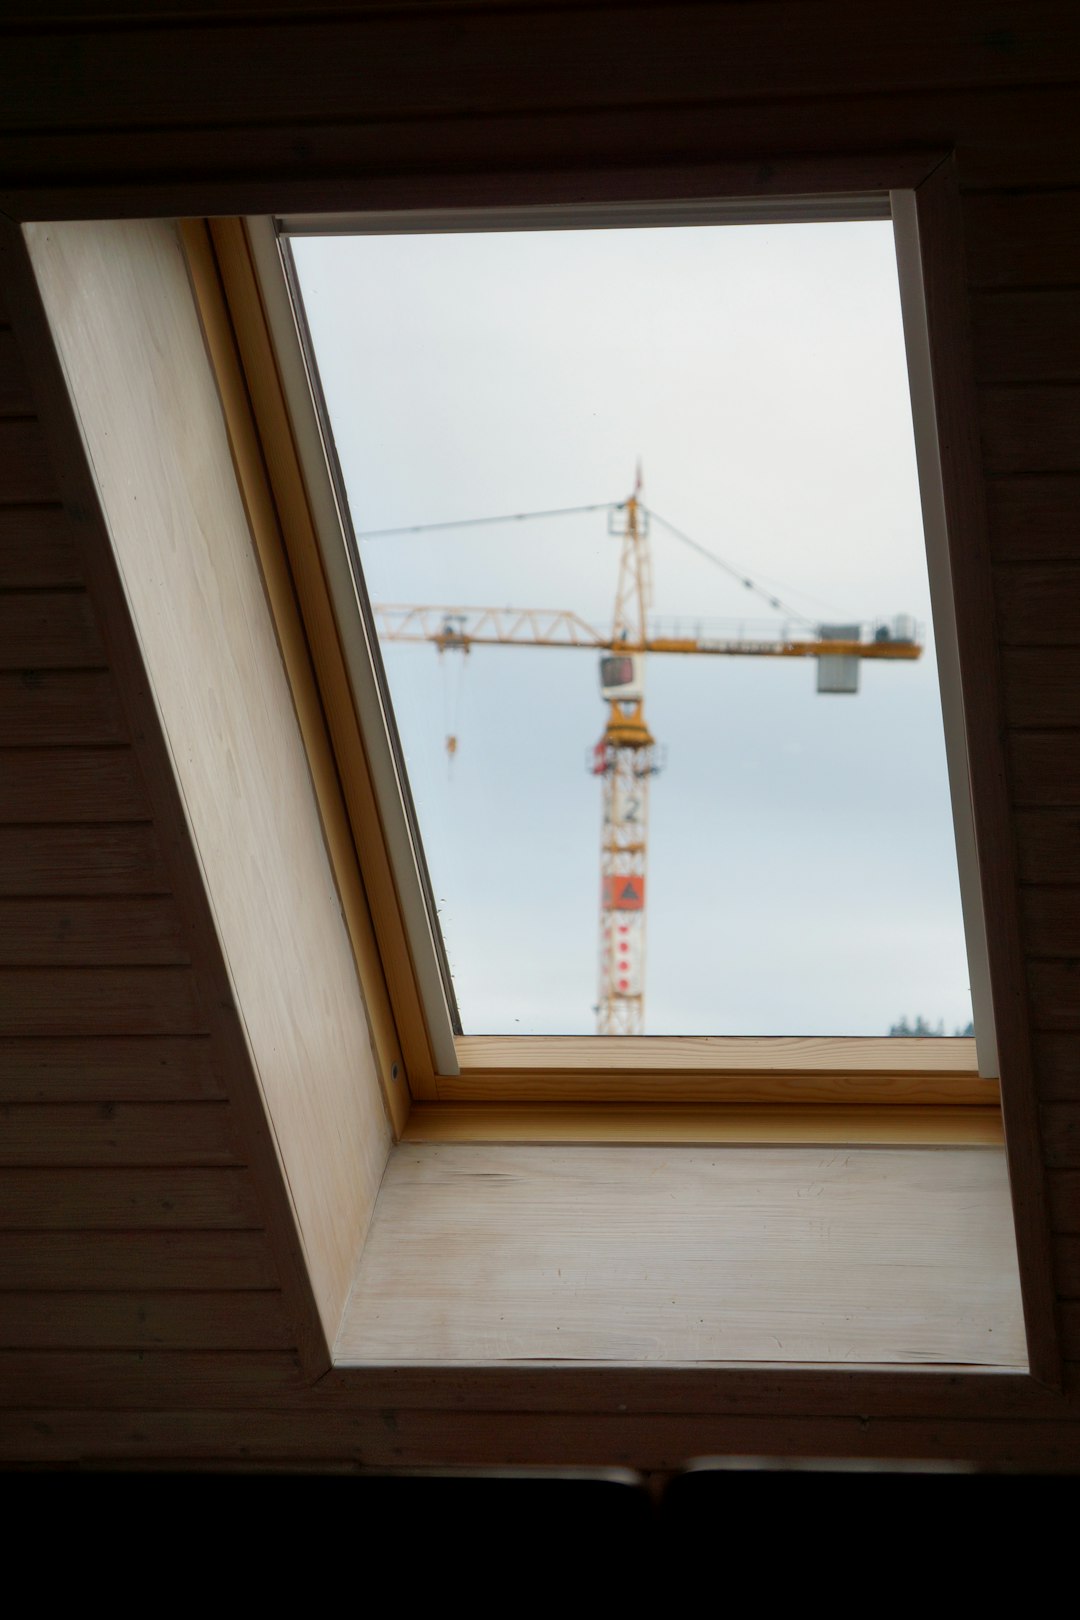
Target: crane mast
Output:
[{"x": 625, "y": 759}]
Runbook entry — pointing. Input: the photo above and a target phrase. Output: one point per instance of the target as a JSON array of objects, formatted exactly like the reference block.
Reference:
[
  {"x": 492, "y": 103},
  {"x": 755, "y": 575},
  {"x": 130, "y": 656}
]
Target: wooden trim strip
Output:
[
  {"x": 776, "y": 1124},
  {"x": 263, "y": 517},
  {"x": 701, "y": 1070},
  {"x": 308, "y": 631}
]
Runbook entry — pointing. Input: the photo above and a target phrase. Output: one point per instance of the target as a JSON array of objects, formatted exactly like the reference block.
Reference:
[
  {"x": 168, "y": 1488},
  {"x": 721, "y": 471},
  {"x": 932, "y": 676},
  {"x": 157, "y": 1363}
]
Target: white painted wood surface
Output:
[
  {"x": 672, "y": 1255},
  {"x": 121, "y": 310}
]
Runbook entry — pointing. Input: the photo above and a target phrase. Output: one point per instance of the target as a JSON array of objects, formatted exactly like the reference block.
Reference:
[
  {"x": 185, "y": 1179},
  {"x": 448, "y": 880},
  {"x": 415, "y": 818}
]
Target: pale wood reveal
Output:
[
  {"x": 265, "y": 519},
  {"x": 688, "y": 1254},
  {"x": 291, "y": 546},
  {"x": 123, "y": 318}
]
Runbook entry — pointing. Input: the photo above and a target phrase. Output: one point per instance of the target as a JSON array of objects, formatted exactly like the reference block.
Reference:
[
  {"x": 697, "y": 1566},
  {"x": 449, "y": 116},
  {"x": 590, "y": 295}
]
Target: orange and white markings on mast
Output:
[{"x": 625, "y": 758}]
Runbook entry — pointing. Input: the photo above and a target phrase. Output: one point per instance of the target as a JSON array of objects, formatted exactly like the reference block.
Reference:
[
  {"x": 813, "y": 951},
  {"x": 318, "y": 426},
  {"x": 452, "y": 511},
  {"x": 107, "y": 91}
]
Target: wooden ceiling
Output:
[{"x": 148, "y": 1311}]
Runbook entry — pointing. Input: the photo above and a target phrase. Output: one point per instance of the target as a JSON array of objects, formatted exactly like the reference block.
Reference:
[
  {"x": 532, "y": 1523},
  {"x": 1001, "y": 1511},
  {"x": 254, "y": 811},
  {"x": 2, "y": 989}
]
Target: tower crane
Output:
[{"x": 626, "y": 757}]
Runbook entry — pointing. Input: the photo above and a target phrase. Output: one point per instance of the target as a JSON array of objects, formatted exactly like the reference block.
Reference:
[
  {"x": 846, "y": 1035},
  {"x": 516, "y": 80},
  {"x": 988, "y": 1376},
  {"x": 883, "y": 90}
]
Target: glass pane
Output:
[{"x": 724, "y": 409}]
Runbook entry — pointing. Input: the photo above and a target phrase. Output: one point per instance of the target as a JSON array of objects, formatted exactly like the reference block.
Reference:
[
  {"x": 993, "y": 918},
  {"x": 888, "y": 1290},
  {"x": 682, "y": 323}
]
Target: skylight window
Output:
[{"x": 710, "y": 425}]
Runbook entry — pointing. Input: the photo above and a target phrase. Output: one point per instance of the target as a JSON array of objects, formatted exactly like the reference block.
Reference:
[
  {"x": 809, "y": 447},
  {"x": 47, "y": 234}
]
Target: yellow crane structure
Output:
[{"x": 626, "y": 756}]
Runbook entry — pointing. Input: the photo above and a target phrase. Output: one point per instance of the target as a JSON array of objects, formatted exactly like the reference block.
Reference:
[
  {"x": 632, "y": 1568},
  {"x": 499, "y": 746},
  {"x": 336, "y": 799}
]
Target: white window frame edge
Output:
[{"x": 899, "y": 205}]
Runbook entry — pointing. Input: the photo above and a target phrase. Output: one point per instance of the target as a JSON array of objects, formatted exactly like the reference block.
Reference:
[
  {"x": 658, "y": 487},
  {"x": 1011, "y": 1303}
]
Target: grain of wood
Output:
[
  {"x": 697, "y": 1070},
  {"x": 1044, "y": 767},
  {"x": 1065, "y": 1201},
  {"x": 111, "y": 1069},
  {"x": 1061, "y": 1135},
  {"x": 1038, "y": 604},
  {"x": 26, "y": 472},
  {"x": 771, "y": 1124},
  {"x": 1023, "y": 239},
  {"x": 1067, "y": 1266},
  {"x": 77, "y": 860},
  {"x": 407, "y": 64},
  {"x": 1055, "y": 993},
  {"x": 15, "y": 396},
  {"x": 1042, "y": 686},
  {"x": 1031, "y": 429},
  {"x": 49, "y": 708},
  {"x": 77, "y": 932},
  {"x": 1026, "y": 337},
  {"x": 180, "y": 1321},
  {"x": 148, "y": 1378},
  {"x": 127, "y": 1200},
  {"x": 37, "y": 548},
  {"x": 1048, "y": 845},
  {"x": 99, "y": 1001},
  {"x": 687, "y": 1254},
  {"x": 66, "y": 1261},
  {"x": 1058, "y": 1066},
  {"x": 118, "y": 1133},
  {"x": 48, "y": 630},
  {"x": 1033, "y": 518},
  {"x": 399, "y": 1438},
  {"x": 1051, "y": 924},
  {"x": 70, "y": 784}
]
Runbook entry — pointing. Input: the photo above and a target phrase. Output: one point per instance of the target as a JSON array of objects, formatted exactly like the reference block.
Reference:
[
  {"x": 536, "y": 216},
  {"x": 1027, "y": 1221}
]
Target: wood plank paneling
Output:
[
  {"x": 1055, "y": 993},
  {"x": 148, "y": 1378},
  {"x": 118, "y": 1133},
  {"x": 57, "y": 708},
  {"x": 1067, "y": 1266},
  {"x": 1042, "y": 686},
  {"x": 25, "y": 469},
  {"x": 1026, "y": 337},
  {"x": 423, "y": 63},
  {"x": 397, "y": 1437},
  {"x": 1065, "y": 1200},
  {"x": 180, "y": 1321},
  {"x": 99, "y": 1001},
  {"x": 1023, "y": 239},
  {"x": 127, "y": 1200},
  {"x": 1058, "y": 1063},
  {"x": 1048, "y": 845},
  {"x": 15, "y": 397},
  {"x": 1061, "y": 1135},
  {"x": 1044, "y": 767},
  {"x": 1039, "y": 605},
  {"x": 65, "y": 860},
  {"x": 71, "y": 784},
  {"x": 1031, "y": 428},
  {"x": 1051, "y": 922},
  {"x": 37, "y": 548},
  {"x": 66, "y": 1261},
  {"x": 48, "y": 630},
  {"x": 81, "y": 933},
  {"x": 1033, "y": 518},
  {"x": 118, "y": 1068}
]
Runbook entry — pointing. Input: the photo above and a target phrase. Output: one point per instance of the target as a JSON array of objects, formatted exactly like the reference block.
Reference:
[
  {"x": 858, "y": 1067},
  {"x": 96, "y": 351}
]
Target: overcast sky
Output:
[{"x": 802, "y": 876}]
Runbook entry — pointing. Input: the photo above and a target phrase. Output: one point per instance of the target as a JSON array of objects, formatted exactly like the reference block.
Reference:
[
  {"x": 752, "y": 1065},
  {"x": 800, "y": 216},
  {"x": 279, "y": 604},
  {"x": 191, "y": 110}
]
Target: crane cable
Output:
[
  {"x": 600, "y": 506},
  {"x": 473, "y": 523},
  {"x": 728, "y": 568}
]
